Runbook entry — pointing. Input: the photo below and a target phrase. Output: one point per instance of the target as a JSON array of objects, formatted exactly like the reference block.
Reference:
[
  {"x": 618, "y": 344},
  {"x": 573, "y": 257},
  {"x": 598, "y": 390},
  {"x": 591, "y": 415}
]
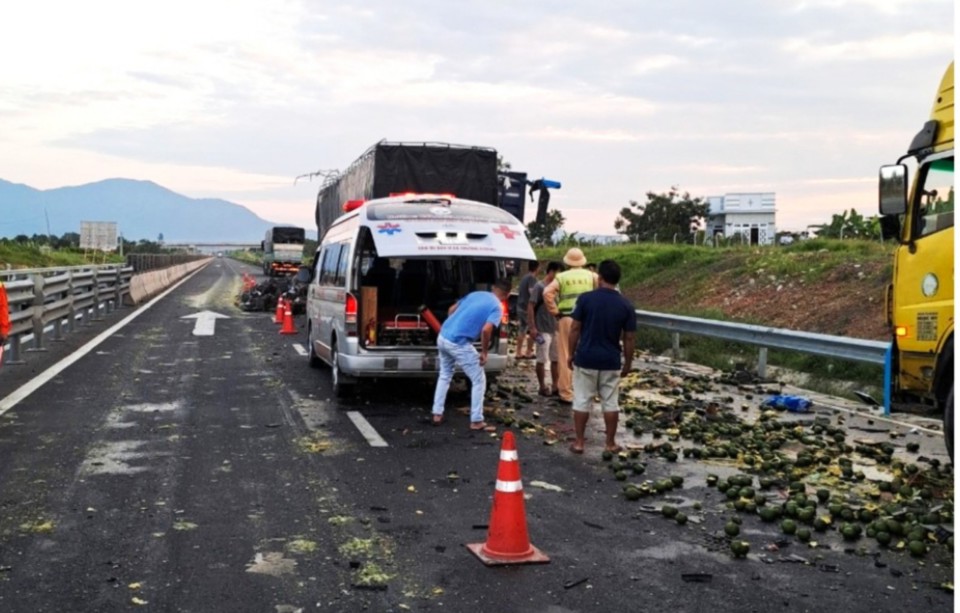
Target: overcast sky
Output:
[{"x": 615, "y": 98}]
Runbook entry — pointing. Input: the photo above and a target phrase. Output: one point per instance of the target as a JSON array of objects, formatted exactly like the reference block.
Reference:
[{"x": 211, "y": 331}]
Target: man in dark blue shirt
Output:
[{"x": 601, "y": 319}]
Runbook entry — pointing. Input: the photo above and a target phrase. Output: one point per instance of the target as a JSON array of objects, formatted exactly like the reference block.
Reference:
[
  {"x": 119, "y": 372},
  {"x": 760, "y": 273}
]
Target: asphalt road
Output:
[{"x": 171, "y": 472}]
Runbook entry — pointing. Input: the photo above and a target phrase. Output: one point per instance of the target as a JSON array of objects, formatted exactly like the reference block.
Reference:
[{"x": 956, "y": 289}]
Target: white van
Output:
[{"x": 381, "y": 264}]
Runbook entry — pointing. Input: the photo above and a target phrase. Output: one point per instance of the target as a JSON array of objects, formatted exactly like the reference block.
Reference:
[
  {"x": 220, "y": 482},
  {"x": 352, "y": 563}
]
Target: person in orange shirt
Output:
[{"x": 4, "y": 315}]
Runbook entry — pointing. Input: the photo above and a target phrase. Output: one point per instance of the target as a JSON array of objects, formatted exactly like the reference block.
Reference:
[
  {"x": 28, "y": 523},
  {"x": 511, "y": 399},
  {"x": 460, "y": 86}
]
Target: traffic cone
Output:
[
  {"x": 507, "y": 538},
  {"x": 278, "y": 316},
  {"x": 288, "y": 327}
]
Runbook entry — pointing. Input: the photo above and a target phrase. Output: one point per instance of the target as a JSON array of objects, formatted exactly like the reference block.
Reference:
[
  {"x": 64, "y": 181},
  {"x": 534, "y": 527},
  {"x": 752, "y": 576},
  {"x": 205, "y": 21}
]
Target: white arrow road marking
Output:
[
  {"x": 206, "y": 322},
  {"x": 300, "y": 349},
  {"x": 366, "y": 429}
]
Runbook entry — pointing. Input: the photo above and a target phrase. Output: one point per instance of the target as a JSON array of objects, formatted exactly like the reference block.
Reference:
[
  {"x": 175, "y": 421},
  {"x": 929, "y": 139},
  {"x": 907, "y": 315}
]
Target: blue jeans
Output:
[{"x": 468, "y": 359}]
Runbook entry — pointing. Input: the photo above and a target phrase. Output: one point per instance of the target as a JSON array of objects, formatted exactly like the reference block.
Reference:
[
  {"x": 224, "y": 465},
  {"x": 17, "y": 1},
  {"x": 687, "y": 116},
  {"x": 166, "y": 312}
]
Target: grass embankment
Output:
[
  {"x": 789, "y": 287},
  {"x": 247, "y": 257},
  {"x": 28, "y": 255}
]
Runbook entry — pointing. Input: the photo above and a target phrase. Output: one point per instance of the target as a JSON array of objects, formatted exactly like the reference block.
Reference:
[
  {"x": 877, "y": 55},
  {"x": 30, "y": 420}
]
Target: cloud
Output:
[
  {"x": 236, "y": 98},
  {"x": 890, "y": 7},
  {"x": 710, "y": 169},
  {"x": 656, "y": 63},
  {"x": 911, "y": 45}
]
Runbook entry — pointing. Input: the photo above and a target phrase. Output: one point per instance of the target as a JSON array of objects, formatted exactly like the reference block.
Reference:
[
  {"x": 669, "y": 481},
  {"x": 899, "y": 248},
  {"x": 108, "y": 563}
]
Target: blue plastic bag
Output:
[{"x": 794, "y": 404}]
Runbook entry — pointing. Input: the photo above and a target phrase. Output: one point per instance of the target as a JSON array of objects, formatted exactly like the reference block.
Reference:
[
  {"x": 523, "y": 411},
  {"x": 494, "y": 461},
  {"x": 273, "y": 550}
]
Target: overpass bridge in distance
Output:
[{"x": 211, "y": 247}]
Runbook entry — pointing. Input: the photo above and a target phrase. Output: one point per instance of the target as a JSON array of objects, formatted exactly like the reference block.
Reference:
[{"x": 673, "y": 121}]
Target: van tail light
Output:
[
  {"x": 350, "y": 315},
  {"x": 901, "y": 331}
]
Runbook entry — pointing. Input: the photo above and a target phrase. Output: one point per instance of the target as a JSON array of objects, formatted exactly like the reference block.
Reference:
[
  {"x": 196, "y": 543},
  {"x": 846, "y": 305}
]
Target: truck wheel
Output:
[
  {"x": 315, "y": 361},
  {"x": 340, "y": 390},
  {"x": 948, "y": 423}
]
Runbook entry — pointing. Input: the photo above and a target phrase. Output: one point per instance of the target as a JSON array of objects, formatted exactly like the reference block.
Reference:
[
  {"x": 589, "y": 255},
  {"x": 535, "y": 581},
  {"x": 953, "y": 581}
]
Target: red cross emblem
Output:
[{"x": 507, "y": 232}]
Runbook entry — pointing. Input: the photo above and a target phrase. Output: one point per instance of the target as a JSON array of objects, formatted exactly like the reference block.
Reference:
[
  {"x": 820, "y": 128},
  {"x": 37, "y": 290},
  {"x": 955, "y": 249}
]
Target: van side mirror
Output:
[
  {"x": 893, "y": 189},
  {"x": 304, "y": 275}
]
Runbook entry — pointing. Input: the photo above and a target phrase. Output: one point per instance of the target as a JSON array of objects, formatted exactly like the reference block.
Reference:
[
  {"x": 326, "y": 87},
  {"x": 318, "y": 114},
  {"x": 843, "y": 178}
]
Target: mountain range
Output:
[{"x": 142, "y": 210}]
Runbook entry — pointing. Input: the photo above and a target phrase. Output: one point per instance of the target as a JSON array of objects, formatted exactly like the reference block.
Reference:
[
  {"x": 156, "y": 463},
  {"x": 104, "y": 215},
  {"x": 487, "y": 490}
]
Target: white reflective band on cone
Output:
[
  {"x": 509, "y": 487},
  {"x": 509, "y": 455}
]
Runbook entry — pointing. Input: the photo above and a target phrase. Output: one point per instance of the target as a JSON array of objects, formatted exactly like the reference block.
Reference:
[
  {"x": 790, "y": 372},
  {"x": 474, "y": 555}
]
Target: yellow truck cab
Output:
[{"x": 919, "y": 300}]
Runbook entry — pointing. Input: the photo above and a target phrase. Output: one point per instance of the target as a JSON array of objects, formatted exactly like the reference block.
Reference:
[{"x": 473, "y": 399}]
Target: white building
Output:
[{"x": 753, "y": 215}]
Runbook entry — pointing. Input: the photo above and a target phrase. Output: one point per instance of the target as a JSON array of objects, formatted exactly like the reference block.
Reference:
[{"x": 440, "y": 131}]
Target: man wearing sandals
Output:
[
  {"x": 601, "y": 319},
  {"x": 475, "y": 315},
  {"x": 544, "y": 325},
  {"x": 560, "y": 296},
  {"x": 527, "y": 283}
]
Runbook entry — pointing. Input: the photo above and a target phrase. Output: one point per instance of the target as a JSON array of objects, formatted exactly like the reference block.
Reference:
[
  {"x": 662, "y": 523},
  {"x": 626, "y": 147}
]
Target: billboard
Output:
[{"x": 98, "y": 235}]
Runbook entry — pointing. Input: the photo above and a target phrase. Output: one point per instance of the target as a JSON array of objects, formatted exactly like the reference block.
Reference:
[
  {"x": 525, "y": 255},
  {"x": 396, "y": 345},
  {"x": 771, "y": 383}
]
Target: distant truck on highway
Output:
[
  {"x": 283, "y": 250},
  {"x": 919, "y": 300}
]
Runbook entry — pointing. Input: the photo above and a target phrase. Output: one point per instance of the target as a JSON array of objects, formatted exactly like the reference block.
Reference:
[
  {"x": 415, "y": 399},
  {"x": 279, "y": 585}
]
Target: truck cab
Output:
[{"x": 919, "y": 302}]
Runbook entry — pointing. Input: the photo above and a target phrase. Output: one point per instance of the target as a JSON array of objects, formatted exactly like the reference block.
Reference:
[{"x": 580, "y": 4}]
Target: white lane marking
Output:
[
  {"x": 206, "y": 324},
  {"x": 300, "y": 349},
  {"x": 37, "y": 382},
  {"x": 366, "y": 429}
]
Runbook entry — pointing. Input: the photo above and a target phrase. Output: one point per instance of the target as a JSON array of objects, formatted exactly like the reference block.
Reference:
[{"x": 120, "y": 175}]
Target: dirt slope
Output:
[{"x": 846, "y": 301}]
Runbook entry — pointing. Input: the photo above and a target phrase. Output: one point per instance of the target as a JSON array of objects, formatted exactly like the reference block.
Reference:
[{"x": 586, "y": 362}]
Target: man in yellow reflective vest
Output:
[{"x": 559, "y": 297}]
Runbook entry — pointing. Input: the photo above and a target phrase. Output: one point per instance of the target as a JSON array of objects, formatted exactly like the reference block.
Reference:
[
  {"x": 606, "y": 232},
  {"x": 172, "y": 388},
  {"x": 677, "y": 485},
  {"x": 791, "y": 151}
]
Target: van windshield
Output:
[{"x": 456, "y": 211}]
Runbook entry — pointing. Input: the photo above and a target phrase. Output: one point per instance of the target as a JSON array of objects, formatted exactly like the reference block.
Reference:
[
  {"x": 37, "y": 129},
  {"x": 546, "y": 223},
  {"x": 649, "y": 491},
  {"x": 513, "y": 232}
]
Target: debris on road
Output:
[
  {"x": 546, "y": 486},
  {"x": 572, "y": 584}
]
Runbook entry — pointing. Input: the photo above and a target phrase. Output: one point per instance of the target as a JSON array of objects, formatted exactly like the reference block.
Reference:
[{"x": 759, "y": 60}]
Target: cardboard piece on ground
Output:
[{"x": 368, "y": 310}]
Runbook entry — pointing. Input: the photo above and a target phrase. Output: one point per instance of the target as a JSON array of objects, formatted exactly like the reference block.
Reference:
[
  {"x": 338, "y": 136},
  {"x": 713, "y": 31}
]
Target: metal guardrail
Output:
[
  {"x": 855, "y": 349},
  {"x": 841, "y": 347},
  {"x": 39, "y": 298}
]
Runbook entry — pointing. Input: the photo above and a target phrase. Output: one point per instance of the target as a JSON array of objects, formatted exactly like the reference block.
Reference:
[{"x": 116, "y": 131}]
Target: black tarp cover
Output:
[{"x": 389, "y": 168}]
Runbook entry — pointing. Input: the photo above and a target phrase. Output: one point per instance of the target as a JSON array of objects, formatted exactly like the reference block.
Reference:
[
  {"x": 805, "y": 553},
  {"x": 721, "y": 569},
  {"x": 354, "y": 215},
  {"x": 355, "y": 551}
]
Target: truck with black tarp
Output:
[
  {"x": 283, "y": 250},
  {"x": 392, "y": 168}
]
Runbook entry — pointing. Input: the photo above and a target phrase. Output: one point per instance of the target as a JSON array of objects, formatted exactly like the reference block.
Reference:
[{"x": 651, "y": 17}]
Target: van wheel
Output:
[
  {"x": 948, "y": 423},
  {"x": 340, "y": 390},
  {"x": 315, "y": 361}
]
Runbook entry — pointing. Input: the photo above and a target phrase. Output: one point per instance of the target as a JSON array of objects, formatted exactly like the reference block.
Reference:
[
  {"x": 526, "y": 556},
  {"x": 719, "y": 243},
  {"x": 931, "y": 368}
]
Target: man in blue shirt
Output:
[
  {"x": 601, "y": 319},
  {"x": 475, "y": 315}
]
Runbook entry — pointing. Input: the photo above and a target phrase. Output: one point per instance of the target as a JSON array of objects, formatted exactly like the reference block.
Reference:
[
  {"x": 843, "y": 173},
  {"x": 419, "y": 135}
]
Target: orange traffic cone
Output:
[
  {"x": 507, "y": 538},
  {"x": 278, "y": 316},
  {"x": 288, "y": 327}
]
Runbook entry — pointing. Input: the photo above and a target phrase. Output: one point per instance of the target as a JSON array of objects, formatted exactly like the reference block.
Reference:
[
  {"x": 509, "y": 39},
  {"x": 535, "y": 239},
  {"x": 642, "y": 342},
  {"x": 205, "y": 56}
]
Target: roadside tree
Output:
[
  {"x": 543, "y": 234},
  {"x": 662, "y": 217},
  {"x": 851, "y": 224}
]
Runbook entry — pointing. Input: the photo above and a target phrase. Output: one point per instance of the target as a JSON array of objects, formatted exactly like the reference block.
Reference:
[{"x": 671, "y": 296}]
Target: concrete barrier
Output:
[{"x": 148, "y": 284}]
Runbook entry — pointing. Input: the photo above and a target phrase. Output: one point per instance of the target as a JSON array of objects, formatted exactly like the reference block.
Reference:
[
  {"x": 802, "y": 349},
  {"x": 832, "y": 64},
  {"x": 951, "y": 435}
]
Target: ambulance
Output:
[{"x": 385, "y": 275}]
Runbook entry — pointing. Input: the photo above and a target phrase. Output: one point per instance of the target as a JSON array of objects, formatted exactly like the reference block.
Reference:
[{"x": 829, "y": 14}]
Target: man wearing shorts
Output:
[
  {"x": 601, "y": 319},
  {"x": 544, "y": 324}
]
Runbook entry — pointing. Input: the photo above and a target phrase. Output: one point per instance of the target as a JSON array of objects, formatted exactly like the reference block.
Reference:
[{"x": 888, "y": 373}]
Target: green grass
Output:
[
  {"x": 247, "y": 257},
  {"x": 645, "y": 262},
  {"x": 641, "y": 262},
  {"x": 30, "y": 255}
]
